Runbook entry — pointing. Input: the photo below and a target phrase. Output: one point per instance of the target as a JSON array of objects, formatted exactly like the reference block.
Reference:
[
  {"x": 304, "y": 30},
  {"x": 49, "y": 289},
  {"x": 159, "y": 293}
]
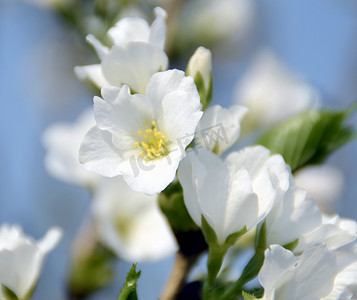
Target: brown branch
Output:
[{"x": 178, "y": 276}]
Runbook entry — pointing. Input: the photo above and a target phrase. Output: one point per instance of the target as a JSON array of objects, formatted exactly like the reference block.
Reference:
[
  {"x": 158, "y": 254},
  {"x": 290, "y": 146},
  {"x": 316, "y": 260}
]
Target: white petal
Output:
[
  {"x": 277, "y": 269},
  {"x": 293, "y": 217},
  {"x": 98, "y": 154},
  {"x": 242, "y": 207},
  {"x": 130, "y": 29},
  {"x": 91, "y": 73},
  {"x": 163, "y": 83},
  {"x": 19, "y": 269},
  {"x": 122, "y": 113},
  {"x": 314, "y": 276},
  {"x": 219, "y": 128},
  {"x": 212, "y": 200},
  {"x": 98, "y": 46},
  {"x": 50, "y": 240},
  {"x": 158, "y": 28},
  {"x": 153, "y": 176},
  {"x": 180, "y": 116},
  {"x": 133, "y": 65}
]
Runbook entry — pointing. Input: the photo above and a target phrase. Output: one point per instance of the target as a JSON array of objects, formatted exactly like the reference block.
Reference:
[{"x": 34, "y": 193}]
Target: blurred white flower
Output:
[
  {"x": 286, "y": 277},
  {"x": 136, "y": 55},
  {"x": 207, "y": 21},
  {"x": 323, "y": 183},
  {"x": 21, "y": 258},
  {"x": 234, "y": 193},
  {"x": 271, "y": 92},
  {"x": 62, "y": 142},
  {"x": 131, "y": 223},
  {"x": 219, "y": 127},
  {"x": 142, "y": 137}
]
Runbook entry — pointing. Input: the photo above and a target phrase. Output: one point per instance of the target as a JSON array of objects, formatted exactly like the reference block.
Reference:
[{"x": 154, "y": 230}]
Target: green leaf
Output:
[
  {"x": 261, "y": 240},
  {"x": 128, "y": 292},
  {"x": 232, "y": 238},
  {"x": 247, "y": 296},
  {"x": 250, "y": 271},
  {"x": 208, "y": 232},
  {"x": 172, "y": 205},
  {"x": 205, "y": 94},
  {"x": 309, "y": 137},
  {"x": 9, "y": 294},
  {"x": 291, "y": 246}
]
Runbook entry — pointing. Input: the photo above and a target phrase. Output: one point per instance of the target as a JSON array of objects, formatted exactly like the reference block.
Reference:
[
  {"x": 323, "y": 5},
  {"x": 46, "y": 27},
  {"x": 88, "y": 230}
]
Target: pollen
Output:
[{"x": 153, "y": 143}]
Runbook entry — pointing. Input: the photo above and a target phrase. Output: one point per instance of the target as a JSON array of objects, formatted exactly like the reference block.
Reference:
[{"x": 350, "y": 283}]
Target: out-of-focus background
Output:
[{"x": 316, "y": 39}]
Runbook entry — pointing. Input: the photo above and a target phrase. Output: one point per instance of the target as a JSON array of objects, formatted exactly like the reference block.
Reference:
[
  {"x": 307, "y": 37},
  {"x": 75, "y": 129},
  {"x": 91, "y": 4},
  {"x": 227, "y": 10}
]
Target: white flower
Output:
[
  {"x": 219, "y": 127},
  {"x": 234, "y": 193},
  {"x": 62, "y": 142},
  {"x": 323, "y": 183},
  {"x": 142, "y": 137},
  {"x": 201, "y": 63},
  {"x": 131, "y": 223},
  {"x": 271, "y": 92},
  {"x": 207, "y": 21},
  {"x": 286, "y": 277},
  {"x": 297, "y": 219},
  {"x": 136, "y": 55},
  {"x": 21, "y": 258},
  {"x": 313, "y": 275},
  {"x": 334, "y": 232}
]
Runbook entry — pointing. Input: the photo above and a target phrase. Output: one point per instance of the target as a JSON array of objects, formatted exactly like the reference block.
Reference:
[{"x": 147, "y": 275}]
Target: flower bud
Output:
[{"x": 200, "y": 68}]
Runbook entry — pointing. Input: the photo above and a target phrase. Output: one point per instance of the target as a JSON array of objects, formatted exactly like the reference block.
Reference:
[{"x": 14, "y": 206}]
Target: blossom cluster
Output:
[{"x": 153, "y": 128}]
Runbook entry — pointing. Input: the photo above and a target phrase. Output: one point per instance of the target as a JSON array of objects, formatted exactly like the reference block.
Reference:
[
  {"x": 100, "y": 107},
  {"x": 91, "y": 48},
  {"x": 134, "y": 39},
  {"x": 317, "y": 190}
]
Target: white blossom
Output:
[
  {"x": 21, "y": 258},
  {"x": 272, "y": 92},
  {"x": 137, "y": 53},
  {"x": 143, "y": 137},
  {"x": 234, "y": 193},
  {"x": 131, "y": 223},
  {"x": 232, "y": 20},
  {"x": 286, "y": 277},
  {"x": 313, "y": 275},
  {"x": 296, "y": 218},
  {"x": 219, "y": 127},
  {"x": 62, "y": 141},
  {"x": 323, "y": 183}
]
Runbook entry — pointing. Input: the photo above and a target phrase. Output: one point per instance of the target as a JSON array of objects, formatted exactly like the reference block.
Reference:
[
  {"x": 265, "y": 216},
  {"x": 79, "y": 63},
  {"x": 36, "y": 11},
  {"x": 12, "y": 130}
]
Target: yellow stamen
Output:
[{"x": 153, "y": 144}]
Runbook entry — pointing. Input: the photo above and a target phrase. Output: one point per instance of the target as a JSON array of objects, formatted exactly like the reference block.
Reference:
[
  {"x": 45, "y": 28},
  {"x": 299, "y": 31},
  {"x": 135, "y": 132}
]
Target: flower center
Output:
[{"x": 153, "y": 143}]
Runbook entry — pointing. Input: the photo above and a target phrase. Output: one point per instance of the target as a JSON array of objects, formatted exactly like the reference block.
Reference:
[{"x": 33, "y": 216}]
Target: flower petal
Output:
[
  {"x": 130, "y": 29},
  {"x": 150, "y": 177},
  {"x": 98, "y": 46},
  {"x": 158, "y": 28},
  {"x": 91, "y": 73},
  {"x": 98, "y": 154},
  {"x": 133, "y": 65},
  {"x": 276, "y": 269}
]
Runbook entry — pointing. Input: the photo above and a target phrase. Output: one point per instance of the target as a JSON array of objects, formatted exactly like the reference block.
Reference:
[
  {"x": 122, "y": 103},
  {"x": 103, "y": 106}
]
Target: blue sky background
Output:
[{"x": 315, "y": 38}]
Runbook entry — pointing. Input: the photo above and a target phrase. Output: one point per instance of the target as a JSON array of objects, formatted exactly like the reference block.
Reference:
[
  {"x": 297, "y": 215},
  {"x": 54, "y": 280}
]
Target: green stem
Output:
[
  {"x": 250, "y": 271},
  {"x": 214, "y": 264}
]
